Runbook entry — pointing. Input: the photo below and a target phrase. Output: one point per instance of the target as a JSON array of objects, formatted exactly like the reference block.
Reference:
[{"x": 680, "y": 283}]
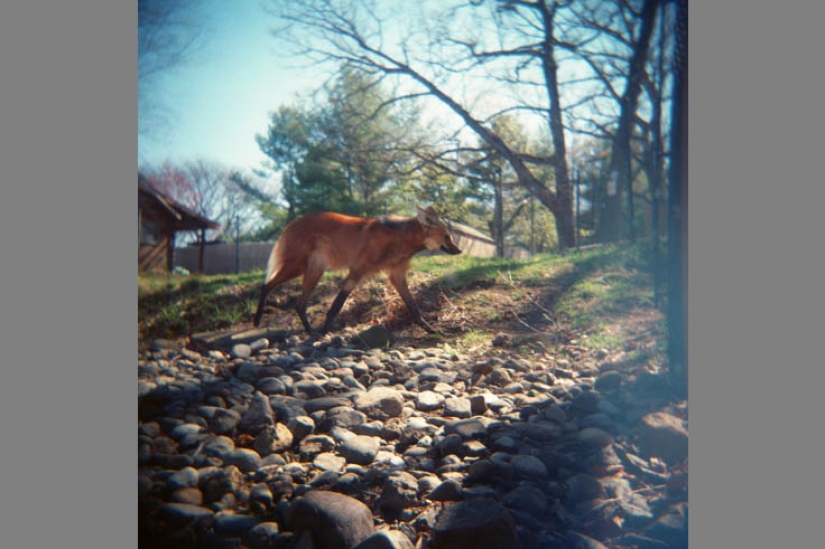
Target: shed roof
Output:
[
  {"x": 185, "y": 219},
  {"x": 470, "y": 231}
]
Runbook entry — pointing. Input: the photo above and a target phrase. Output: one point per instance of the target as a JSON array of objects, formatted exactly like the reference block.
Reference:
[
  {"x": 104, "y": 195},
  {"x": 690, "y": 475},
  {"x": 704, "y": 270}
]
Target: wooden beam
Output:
[{"x": 201, "y": 251}]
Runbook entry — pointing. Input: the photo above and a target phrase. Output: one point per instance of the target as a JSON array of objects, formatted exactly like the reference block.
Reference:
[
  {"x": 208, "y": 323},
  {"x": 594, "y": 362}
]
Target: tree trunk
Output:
[
  {"x": 564, "y": 190},
  {"x": 677, "y": 210},
  {"x": 610, "y": 229},
  {"x": 655, "y": 166},
  {"x": 201, "y": 250},
  {"x": 498, "y": 211}
]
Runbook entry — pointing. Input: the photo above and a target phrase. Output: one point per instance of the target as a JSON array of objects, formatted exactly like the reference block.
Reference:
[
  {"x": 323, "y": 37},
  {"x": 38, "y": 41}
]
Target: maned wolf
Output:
[{"x": 316, "y": 242}]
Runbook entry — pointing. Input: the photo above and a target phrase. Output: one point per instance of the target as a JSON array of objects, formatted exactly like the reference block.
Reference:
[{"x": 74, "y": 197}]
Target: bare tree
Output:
[
  {"x": 623, "y": 28},
  {"x": 358, "y": 33},
  {"x": 208, "y": 189}
]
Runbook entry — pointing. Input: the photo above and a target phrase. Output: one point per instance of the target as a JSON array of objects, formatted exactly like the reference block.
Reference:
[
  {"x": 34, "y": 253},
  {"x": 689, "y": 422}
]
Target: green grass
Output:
[
  {"x": 171, "y": 306},
  {"x": 584, "y": 289}
]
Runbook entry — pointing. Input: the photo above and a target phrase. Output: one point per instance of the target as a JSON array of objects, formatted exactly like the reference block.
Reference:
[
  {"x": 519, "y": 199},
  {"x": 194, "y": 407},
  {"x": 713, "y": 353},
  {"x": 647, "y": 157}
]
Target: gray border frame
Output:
[
  {"x": 755, "y": 245},
  {"x": 68, "y": 397},
  {"x": 67, "y": 223}
]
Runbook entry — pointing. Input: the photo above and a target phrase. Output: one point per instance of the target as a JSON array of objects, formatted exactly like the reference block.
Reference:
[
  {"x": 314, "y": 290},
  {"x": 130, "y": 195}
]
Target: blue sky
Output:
[{"x": 223, "y": 97}]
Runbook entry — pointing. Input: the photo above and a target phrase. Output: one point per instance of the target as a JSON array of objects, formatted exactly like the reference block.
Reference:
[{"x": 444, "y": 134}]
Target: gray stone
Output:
[
  {"x": 360, "y": 449},
  {"x": 400, "y": 490},
  {"x": 325, "y": 403},
  {"x": 513, "y": 388},
  {"x": 583, "y": 487},
  {"x": 325, "y": 479},
  {"x": 353, "y": 383},
  {"x": 380, "y": 403},
  {"x": 178, "y": 461},
  {"x": 261, "y": 536},
  {"x": 245, "y": 459},
  {"x": 375, "y": 337},
  {"x": 216, "y": 355},
  {"x": 608, "y": 381},
  {"x": 478, "y": 405},
  {"x": 638, "y": 541},
  {"x": 485, "y": 471},
  {"x": 271, "y": 386},
  {"x": 146, "y": 387},
  {"x": 541, "y": 431},
  {"x": 328, "y": 461},
  {"x": 192, "y": 496},
  {"x": 144, "y": 451},
  {"x": 481, "y": 523},
  {"x": 605, "y": 406},
  {"x": 164, "y": 445},
  {"x": 474, "y": 448},
  {"x": 586, "y": 403},
  {"x": 518, "y": 365},
  {"x": 457, "y": 407},
  {"x": 316, "y": 444},
  {"x": 333, "y": 520},
  {"x": 228, "y": 524},
  {"x": 260, "y": 498},
  {"x": 467, "y": 428},
  {"x": 427, "y": 401},
  {"x": 301, "y": 426},
  {"x": 186, "y": 431},
  {"x": 248, "y": 371},
  {"x": 600, "y": 420},
  {"x": 219, "y": 446},
  {"x": 185, "y": 478},
  {"x": 580, "y": 541},
  {"x": 436, "y": 374},
  {"x": 449, "y": 490},
  {"x": 273, "y": 439},
  {"x": 671, "y": 528},
  {"x": 417, "y": 427},
  {"x": 650, "y": 384},
  {"x": 346, "y": 417},
  {"x": 259, "y": 345},
  {"x": 309, "y": 389},
  {"x": 241, "y": 350},
  {"x": 529, "y": 467},
  {"x": 505, "y": 444},
  {"x": 500, "y": 377},
  {"x": 663, "y": 435},
  {"x": 593, "y": 438},
  {"x": 451, "y": 444},
  {"x": 427, "y": 482},
  {"x": 258, "y": 416},
  {"x": 348, "y": 483},
  {"x": 179, "y": 515},
  {"x": 225, "y": 421},
  {"x": 526, "y": 498},
  {"x": 386, "y": 539}
]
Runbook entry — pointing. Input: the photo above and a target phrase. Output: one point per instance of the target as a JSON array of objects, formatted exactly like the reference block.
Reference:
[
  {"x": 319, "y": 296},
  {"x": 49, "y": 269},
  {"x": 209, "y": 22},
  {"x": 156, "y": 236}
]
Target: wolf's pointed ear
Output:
[{"x": 427, "y": 217}]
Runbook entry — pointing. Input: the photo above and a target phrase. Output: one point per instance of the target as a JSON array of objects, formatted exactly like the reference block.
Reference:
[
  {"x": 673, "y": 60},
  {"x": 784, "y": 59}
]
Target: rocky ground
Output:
[{"x": 326, "y": 444}]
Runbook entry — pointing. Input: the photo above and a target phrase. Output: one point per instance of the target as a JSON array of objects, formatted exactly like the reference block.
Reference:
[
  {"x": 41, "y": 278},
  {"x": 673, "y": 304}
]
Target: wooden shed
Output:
[
  {"x": 476, "y": 243},
  {"x": 159, "y": 218}
]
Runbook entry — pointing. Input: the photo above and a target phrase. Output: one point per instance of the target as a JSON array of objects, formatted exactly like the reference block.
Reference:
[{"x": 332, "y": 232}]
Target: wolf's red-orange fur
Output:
[{"x": 314, "y": 243}]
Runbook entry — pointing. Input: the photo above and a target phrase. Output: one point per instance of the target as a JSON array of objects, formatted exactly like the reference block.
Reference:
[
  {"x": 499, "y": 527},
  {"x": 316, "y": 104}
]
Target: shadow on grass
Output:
[
  {"x": 204, "y": 304},
  {"x": 556, "y": 277},
  {"x": 195, "y": 305}
]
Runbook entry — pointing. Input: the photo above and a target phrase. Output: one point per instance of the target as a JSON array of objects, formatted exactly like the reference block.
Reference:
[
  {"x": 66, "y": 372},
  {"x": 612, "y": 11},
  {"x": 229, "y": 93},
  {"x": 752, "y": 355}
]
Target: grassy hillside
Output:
[{"x": 598, "y": 299}]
